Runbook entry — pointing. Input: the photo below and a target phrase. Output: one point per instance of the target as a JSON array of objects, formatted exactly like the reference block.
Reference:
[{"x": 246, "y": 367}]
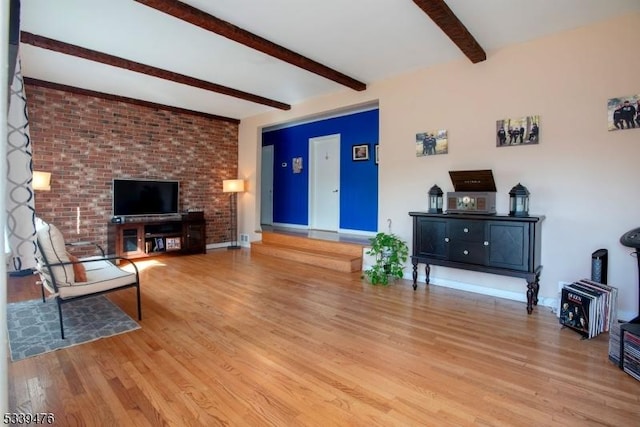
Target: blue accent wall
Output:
[{"x": 358, "y": 179}]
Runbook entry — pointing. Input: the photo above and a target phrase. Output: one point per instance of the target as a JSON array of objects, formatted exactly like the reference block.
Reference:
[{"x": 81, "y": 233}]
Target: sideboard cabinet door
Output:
[
  {"x": 509, "y": 245},
  {"x": 429, "y": 238}
]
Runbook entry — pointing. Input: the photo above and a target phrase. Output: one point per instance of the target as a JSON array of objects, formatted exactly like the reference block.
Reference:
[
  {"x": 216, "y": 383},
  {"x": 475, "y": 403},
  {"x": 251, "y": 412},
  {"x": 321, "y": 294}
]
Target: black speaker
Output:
[{"x": 599, "y": 266}]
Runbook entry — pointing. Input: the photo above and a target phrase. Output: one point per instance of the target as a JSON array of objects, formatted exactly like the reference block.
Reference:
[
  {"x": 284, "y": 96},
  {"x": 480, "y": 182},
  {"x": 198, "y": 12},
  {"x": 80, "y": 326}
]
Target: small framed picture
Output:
[
  {"x": 360, "y": 152},
  {"x": 173, "y": 243},
  {"x": 297, "y": 164},
  {"x": 376, "y": 154}
]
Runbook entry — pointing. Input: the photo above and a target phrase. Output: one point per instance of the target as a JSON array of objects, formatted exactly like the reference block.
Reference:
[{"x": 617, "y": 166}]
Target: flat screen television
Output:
[{"x": 145, "y": 197}]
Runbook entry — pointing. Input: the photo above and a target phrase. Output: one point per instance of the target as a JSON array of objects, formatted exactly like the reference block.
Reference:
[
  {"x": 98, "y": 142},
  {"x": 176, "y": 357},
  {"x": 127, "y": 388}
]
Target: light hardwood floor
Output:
[{"x": 230, "y": 338}]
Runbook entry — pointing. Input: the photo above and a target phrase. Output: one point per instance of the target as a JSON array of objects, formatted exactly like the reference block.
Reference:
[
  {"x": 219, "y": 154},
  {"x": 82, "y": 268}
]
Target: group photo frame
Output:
[
  {"x": 623, "y": 112},
  {"x": 432, "y": 142},
  {"x": 516, "y": 131}
]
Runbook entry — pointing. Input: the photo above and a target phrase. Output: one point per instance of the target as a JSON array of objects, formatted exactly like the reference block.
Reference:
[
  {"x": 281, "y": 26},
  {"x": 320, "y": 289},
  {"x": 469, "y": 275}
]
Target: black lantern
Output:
[
  {"x": 435, "y": 199},
  {"x": 519, "y": 201}
]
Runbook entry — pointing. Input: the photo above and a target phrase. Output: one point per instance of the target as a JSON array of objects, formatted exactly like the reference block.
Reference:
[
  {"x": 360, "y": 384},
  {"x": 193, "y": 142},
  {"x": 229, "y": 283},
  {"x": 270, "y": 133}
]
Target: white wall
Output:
[{"x": 582, "y": 177}]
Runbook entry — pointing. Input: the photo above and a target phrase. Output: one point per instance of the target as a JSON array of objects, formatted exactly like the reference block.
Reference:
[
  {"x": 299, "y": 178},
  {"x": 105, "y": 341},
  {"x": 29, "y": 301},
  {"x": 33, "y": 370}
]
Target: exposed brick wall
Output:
[{"x": 87, "y": 141}]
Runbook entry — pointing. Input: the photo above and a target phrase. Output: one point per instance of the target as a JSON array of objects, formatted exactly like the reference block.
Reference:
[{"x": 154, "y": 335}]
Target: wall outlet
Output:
[{"x": 244, "y": 238}]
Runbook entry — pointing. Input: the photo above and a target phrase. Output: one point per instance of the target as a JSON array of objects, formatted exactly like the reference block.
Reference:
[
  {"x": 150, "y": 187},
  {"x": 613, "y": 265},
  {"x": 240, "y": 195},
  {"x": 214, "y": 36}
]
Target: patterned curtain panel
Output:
[{"x": 20, "y": 199}]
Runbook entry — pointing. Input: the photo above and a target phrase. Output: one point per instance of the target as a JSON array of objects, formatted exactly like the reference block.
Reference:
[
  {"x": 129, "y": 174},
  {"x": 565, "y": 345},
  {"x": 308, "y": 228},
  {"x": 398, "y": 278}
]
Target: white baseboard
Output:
[
  {"x": 552, "y": 303},
  {"x": 341, "y": 230},
  {"x": 218, "y": 245},
  {"x": 293, "y": 226},
  {"x": 626, "y": 316},
  {"x": 358, "y": 232}
]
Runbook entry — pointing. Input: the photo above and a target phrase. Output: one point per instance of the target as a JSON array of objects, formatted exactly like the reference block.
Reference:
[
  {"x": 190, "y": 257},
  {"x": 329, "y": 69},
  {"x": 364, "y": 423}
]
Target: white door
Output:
[
  {"x": 324, "y": 183},
  {"x": 266, "y": 186}
]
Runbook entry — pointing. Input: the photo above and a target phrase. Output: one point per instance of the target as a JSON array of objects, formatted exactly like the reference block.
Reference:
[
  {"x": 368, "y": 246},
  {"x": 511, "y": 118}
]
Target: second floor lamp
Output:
[
  {"x": 233, "y": 186},
  {"x": 41, "y": 181}
]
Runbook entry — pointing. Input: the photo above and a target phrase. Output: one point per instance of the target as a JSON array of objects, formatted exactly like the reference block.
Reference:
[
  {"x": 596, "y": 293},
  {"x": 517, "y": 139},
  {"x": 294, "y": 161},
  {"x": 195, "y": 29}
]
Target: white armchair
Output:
[{"x": 68, "y": 278}]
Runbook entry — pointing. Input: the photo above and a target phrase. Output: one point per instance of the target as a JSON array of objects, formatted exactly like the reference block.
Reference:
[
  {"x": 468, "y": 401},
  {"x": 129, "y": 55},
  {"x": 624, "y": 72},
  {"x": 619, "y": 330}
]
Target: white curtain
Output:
[{"x": 20, "y": 198}]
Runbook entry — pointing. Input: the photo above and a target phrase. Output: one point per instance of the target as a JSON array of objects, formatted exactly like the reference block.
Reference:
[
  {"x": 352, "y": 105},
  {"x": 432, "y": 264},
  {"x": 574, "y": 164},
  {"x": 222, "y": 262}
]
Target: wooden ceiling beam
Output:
[
  {"x": 448, "y": 22},
  {"x": 92, "y": 55},
  {"x": 208, "y": 22}
]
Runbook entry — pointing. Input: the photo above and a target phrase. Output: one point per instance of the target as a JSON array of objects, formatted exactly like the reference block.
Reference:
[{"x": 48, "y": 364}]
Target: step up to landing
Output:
[{"x": 338, "y": 256}]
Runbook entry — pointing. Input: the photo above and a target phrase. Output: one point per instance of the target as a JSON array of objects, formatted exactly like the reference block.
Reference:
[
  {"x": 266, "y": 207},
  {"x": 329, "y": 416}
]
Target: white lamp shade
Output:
[
  {"x": 233, "y": 185},
  {"x": 41, "y": 181}
]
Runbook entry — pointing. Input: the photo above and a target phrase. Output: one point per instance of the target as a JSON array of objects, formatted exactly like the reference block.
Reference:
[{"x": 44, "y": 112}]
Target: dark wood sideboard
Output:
[{"x": 497, "y": 244}]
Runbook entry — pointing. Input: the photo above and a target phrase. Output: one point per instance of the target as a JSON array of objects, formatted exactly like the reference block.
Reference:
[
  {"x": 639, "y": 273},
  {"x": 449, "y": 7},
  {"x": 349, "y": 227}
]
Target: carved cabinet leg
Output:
[
  {"x": 427, "y": 270},
  {"x": 415, "y": 275},
  {"x": 536, "y": 288},
  {"x": 530, "y": 296}
]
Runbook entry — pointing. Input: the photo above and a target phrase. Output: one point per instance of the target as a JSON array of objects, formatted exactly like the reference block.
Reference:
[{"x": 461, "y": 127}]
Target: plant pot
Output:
[{"x": 390, "y": 252}]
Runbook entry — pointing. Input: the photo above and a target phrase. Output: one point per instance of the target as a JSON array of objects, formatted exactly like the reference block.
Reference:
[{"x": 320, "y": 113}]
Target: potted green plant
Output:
[{"x": 390, "y": 254}]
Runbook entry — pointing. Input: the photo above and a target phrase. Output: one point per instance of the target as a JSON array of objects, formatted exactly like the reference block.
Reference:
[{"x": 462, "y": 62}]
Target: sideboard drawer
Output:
[
  {"x": 469, "y": 231},
  {"x": 468, "y": 252}
]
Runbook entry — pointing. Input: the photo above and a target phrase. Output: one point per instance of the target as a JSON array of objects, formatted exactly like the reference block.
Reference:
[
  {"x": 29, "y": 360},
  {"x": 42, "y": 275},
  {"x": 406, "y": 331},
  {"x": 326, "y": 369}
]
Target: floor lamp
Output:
[
  {"x": 233, "y": 186},
  {"x": 41, "y": 181}
]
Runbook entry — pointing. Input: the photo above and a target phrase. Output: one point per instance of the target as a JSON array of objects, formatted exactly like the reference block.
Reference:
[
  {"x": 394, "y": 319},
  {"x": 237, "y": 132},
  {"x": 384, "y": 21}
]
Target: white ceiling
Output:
[{"x": 368, "y": 40}]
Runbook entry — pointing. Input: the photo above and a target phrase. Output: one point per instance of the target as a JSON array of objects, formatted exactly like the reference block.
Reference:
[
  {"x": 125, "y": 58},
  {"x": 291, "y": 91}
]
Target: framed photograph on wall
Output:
[
  {"x": 624, "y": 112},
  {"x": 360, "y": 152},
  {"x": 296, "y": 164},
  {"x": 518, "y": 131},
  {"x": 432, "y": 142}
]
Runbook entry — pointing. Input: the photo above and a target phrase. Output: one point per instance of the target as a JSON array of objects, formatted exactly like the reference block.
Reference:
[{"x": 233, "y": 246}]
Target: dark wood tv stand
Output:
[{"x": 152, "y": 236}]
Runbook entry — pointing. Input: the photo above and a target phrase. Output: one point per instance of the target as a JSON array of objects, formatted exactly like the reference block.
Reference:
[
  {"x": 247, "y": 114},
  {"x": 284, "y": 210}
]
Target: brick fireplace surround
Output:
[{"x": 86, "y": 141}]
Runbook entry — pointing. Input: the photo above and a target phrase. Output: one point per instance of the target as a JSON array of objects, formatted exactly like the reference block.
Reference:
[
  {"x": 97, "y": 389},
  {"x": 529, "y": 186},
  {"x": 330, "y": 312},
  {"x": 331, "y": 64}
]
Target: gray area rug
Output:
[{"x": 34, "y": 327}]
